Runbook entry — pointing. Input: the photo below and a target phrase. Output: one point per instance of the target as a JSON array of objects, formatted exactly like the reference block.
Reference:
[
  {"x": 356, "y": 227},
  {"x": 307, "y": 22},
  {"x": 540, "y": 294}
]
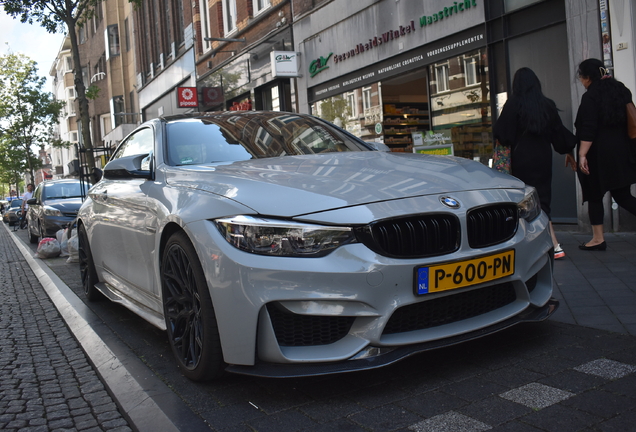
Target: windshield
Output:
[
  {"x": 229, "y": 138},
  {"x": 16, "y": 203},
  {"x": 63, "y": 190}
]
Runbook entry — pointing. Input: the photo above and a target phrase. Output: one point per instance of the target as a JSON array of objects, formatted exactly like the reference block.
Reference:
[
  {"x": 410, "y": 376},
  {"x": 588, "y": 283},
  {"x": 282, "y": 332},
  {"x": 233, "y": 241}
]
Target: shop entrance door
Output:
[{"x": 552, "y": 67}]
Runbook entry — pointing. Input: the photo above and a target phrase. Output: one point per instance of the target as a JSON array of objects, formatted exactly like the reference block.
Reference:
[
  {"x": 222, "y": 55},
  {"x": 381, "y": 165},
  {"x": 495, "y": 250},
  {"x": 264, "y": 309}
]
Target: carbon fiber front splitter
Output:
[{"x": 270, "y": 370}]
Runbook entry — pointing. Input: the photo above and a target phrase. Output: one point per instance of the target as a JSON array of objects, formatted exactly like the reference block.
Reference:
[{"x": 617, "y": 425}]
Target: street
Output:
[{"x": 551, "y": 376}]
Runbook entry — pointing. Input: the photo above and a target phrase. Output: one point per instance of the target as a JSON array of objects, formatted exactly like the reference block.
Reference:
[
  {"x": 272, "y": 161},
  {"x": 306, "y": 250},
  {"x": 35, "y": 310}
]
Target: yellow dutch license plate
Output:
[{"x": 443, "y": 277}]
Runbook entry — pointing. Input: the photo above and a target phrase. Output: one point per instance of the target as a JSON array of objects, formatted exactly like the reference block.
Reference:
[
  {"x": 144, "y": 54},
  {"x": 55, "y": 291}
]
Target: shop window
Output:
[
  {"x": 471, "y": 64},
  {"x": 352, "y": 112},
  {"x": 229, "y": 16},
  {"x": 112, "y": 41},
  {"x": 366, "y": 98},
  {"x": 260, "y": 5},
  {"x": 461, "y": 115},
  {"x": 205, "y": 23},
  {"x": 441, "y": 77}
]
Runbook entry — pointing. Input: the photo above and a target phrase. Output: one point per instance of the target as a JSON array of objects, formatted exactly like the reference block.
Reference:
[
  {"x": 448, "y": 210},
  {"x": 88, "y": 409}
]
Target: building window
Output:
[
  {"x": 112, "y": 41},
  {"x": 82, "y": 34},
  {"x": 72, "y": 136},
  {"x": 127, "y": 34},
  {"x": 260, "y": 5},
  {"x": 351, "y": 105},
  {"x": 105, "y": 125},
  {"x": 471, "y": 63},
  {"x": 70, "y": 93},
  {"x": 229, "y": 16},
  {"x": 116, "y": 111},
  {"x": 441, "y": 77},
  {"x": 68, "y": 64},
  {"x": 205, "y": 23},
  {"x": 366, "y": 98}
]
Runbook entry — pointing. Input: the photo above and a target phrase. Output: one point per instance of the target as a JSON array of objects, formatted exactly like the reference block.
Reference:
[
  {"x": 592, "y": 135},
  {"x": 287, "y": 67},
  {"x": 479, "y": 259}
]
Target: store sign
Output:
[
  {"x": 453, "y": 45},
  {"x": 212, "y": 96},
  {"x": 284, "y": 63},
  {"x": 445, "y": 150},
  {"x": 376, "y": 41},
  {"x": 187, "y": 97},
  {"x": 319, "y": 65},
  {"x": 444, "y": 13},
  {"x": 447, "y": 12}
]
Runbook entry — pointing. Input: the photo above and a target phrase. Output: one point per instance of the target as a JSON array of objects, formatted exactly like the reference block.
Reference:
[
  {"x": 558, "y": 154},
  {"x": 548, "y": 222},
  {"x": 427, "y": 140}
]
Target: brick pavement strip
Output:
[{"x": 44, "y": 374}]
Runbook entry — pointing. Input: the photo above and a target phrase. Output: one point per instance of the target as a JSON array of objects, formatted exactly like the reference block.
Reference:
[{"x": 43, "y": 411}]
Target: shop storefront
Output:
[
  {"x": 430, "y": 77},
  {"x": 246, "y": 81}
]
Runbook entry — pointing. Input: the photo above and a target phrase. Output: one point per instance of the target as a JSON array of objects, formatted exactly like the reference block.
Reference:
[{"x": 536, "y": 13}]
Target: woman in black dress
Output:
[
  {"x": 529, "y": 124},
  {"x": 607, "y": 159}
]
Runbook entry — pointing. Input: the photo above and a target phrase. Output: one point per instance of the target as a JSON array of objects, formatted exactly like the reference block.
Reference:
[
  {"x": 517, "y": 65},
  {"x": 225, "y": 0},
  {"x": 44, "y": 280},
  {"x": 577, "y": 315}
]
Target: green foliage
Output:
[
  {"x": 27, "y": 114},
  {"x": 92, "y": 92}
]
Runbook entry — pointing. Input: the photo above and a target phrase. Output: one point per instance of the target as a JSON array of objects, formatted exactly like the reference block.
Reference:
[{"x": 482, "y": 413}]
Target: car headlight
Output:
[
  {"x": 51, "y": 211},
  {"x": 282, "y": 238},
  {"x": 530, "y": 206}
]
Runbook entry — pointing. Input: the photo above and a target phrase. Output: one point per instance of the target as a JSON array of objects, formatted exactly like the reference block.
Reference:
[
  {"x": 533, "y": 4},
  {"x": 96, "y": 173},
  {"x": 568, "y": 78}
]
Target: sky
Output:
[{"x": 32, "y": 41}]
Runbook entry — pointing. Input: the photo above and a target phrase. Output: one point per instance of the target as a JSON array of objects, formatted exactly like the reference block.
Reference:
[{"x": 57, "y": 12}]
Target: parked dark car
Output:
[
  {"x": 54, "y": 206},
  {"x": 11, "y": 214}
]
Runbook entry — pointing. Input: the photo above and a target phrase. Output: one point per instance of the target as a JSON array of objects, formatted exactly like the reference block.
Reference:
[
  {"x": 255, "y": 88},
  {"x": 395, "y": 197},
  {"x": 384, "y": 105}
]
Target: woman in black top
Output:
[
  {"x": 529, "y": 124},
  {"x": 607, "y": 160}
]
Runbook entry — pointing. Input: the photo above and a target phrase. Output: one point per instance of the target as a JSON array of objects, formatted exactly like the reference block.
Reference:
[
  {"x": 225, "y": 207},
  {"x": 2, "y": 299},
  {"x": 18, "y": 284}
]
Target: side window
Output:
[{"x": 141, "y": 142}]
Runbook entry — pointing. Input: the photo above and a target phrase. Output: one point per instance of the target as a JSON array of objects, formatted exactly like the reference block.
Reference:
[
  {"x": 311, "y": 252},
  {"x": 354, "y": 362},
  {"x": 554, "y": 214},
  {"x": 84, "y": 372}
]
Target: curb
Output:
[{"x": 144, "y": 400}]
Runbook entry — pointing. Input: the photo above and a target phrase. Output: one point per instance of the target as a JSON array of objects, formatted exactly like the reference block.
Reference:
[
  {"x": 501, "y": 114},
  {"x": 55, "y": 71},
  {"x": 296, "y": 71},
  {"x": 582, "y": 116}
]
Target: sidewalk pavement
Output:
[
  {"x": 579, "y": 375},
  {"x": 46, "y": 381}
]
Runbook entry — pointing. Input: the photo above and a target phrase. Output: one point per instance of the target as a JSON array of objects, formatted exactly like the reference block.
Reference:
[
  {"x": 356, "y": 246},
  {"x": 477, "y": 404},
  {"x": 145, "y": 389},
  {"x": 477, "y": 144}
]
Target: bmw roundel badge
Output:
[{"x": 449, "y": 202}]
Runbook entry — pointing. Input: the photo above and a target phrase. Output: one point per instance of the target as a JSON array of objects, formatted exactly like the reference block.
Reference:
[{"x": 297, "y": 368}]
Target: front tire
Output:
[
  {"x": 188, "y": 311},
  {"x": 87, "y": 267}
]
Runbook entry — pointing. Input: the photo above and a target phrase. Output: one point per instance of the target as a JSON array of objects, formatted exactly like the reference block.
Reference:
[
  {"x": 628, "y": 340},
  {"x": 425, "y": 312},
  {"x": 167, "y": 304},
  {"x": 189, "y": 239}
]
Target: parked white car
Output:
[{"x": 277, "y": 244}]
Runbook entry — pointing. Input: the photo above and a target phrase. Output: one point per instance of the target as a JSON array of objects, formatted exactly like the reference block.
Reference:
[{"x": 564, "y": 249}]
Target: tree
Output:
[
  {"x": 26, "y": 112},
  {"x": 54, "y": 16}
]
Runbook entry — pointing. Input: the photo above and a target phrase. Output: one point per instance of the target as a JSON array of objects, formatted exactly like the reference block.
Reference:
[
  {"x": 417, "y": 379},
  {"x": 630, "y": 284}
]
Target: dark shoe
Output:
[{"x": 598, "y": 247}]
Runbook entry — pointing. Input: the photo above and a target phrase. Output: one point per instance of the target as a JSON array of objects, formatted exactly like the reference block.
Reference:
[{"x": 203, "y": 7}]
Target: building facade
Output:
[
  {"x": 431, "y": 77},
  {"x": 164, "y": 47},
  {"x": 238, "y": 42},
  {"x": 64, "y": 90}
]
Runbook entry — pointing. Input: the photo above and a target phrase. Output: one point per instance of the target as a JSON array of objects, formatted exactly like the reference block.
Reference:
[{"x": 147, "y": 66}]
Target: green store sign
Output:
[
  {"x": 457, "y": 7},
  {"x": 447, "y": 12}
]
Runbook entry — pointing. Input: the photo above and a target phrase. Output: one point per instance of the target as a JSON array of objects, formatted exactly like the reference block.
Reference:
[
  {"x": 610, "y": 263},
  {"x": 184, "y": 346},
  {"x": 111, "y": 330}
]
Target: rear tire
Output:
[
  {"x": 190, "y": 319},
  {"x": 87, "y": 267}
]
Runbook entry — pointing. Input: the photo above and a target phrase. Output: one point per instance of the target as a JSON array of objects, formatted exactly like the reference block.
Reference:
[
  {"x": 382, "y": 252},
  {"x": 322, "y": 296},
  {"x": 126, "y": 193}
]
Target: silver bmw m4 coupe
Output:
[{"x": 277, "y": 244}]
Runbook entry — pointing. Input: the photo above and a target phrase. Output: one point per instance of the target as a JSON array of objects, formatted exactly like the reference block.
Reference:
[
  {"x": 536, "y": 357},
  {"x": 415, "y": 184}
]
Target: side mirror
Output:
[
  {"x": 32, "y": 201},
  {"x": 96, "y": 175},
  {"x": 127, "y": 167}
]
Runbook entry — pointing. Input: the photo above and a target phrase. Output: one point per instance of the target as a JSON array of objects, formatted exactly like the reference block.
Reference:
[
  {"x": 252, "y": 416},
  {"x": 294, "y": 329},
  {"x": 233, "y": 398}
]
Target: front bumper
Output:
[{"x": 271, "y": 370}]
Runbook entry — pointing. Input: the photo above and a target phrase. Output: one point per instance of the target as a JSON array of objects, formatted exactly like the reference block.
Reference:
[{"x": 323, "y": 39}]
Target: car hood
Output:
[
  {"x": 297, "y": 185},
  {"x": 65, "y": 204}
]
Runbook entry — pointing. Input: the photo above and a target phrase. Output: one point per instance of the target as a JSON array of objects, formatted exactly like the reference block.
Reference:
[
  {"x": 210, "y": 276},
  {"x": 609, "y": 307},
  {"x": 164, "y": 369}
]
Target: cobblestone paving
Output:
[{"x": 46, "y": 381}]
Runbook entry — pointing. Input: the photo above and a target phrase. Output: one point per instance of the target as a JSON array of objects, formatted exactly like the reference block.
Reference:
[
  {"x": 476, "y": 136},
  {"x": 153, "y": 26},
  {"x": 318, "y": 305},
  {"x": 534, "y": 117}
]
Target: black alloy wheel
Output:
[
  {"x": 88, "y": 273},
  {"x": 188, "y": 311}
]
